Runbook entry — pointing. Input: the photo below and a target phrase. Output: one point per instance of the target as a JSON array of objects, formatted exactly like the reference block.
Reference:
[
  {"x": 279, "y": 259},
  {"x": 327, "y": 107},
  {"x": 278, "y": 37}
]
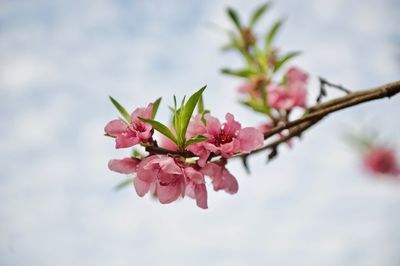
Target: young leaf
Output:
[
  {"x": 259, "y": 107},
  {"x": 163, "y": 129},
  {"x": 125, "y": 115},
  {"x": 243, "y": 73},
  {"x": 271, "y": 34},
  {"x": 195, "y": 139},
  {"x": 200, "y": 105},
  {"x": 156, "y": 104},
  {"x": 187, "y": 111},
  {"x": 285, "y": 59},
  {"x": 258, "y": 13},
  {"x": 123, "y": 184},
  {"x": 234, "y": 17}
]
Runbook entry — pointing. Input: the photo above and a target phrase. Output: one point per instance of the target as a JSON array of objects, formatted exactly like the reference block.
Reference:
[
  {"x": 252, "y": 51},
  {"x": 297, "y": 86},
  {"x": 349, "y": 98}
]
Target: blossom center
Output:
[{"x": 223, "y": 138}]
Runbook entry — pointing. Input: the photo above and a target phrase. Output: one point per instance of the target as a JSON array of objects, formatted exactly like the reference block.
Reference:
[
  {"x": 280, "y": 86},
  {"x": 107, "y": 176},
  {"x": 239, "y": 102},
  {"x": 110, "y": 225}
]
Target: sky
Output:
[{"x": 314, "y": 205}]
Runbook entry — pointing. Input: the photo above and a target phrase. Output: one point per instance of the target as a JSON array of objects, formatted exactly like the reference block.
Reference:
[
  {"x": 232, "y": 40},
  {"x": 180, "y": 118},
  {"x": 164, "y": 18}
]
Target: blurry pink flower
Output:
[
  {"x": 221, "y": 178},
  {"x": 163, "y": 175},
  {"x": 381, "y": 160},
  {"x": 293, "y": 94},
  {"x": 280, "y": 97},
  {"x": 226, "y": 139},
  {"x": 295, "y": 74},
  {"x": 285, "y": 98},
  {"x": 128, "y": 135}
]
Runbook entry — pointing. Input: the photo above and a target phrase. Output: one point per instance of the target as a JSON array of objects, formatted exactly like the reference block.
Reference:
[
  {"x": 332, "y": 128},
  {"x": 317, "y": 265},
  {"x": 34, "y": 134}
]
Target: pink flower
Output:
[
  {"x": 221, "y": 178},
  {"x": 128, "y": 135},
  {"x": 295, "y": 74},
  {"x": 293, "y": 94},
  {"x": 226, "y": 139},
  {"x": 163, "y": 175},
  {"x": 381, "y": 160}
]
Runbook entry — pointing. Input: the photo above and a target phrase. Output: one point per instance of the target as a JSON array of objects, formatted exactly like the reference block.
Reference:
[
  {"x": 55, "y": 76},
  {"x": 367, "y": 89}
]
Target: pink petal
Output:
[
  {"x": 168, "y": 165},
  {"x": 213, "y": 125},
  {"x": 147, "y": 169},
  {"x": 125, "y": 141},
  {"x": 250, "y": 138},
  {"x": 229, "y": 149},
  {"x": 295, "y": 74},
  {"x": 231, "y": 127},
  {"x": 123, "y": 166},
  {"x": 230, "y": 183},
  {"x": 141, "y": 187},
  {"x": 169, "y": 193},
  {"x": 201, "y": 196},
  {"x": 115, "y": 128},
  {"x": 194, "y": 175}
]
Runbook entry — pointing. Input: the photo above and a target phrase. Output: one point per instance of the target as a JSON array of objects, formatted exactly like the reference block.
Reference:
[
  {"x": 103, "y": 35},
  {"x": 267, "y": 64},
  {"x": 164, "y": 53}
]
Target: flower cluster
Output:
[
  {"x": 267, "y": 89},
  {"x": 172, "y": 173}
]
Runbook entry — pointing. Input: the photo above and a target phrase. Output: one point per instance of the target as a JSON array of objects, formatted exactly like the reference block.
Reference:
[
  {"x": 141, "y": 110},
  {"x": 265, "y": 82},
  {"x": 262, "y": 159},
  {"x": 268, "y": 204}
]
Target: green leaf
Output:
[
  {"x": 124, "y": 184},
  {"x": 200, "y": 105},
  {"x": 163, "y": 129},
  {"x": 258, "y": 106},
  {"x": 272, "y": 33},
  {"x": 258, "y": 13},
  {"x": 285, "y": 59},
  {"x": 234, "y": 17},
  {"x": 196, "y": 139},
  {"x": 187, "y": 110},
  {"x": 125, "y": 115},
  {"x": 243, "y": 73},
  {"x": 156, "y": 104}
]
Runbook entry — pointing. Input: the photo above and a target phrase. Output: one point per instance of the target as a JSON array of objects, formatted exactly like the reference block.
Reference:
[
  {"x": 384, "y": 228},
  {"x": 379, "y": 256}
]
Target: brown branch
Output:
[
  {"x": 354, "y": 98},
  {"x": 313, "y": 115}
]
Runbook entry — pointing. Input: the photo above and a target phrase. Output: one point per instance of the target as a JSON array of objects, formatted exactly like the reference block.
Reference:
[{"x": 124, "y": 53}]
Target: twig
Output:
[{"x": 322, "y": 89}]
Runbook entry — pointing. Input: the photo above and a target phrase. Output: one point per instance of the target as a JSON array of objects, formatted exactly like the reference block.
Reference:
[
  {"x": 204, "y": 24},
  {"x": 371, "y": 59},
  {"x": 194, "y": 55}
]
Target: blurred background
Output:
[{"x": 313, "y": 205}]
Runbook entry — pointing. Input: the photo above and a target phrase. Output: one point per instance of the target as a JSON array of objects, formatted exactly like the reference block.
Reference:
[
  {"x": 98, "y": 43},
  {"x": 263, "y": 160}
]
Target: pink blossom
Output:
[
  {"x": 294, "y": 93},
  {"x": 221, "y": 178},
  {"x": 285, "y": 98},
  {"x": 128, "y": 135},
  {"x": 163, "y": 175},
  {"x": 226, "y": 139},
  {"x": 381, "y": 160},
  {"x": 295, "y": 74}
]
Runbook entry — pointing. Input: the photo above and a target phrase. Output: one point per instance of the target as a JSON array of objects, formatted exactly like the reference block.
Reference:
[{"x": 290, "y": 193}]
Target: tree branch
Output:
[{"x": 313, "y": 115}]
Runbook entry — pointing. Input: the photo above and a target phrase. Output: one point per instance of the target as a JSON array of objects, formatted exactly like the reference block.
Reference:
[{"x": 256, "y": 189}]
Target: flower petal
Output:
[
  {"x": 250, "y": 138},
  {"x": 141, "y": 187},
  {"x": 115, "y": 127},
  {"x": 169, "y": 193},
  {"x": 123, "y": 166},
  {"x": 201, "y": 196}
]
